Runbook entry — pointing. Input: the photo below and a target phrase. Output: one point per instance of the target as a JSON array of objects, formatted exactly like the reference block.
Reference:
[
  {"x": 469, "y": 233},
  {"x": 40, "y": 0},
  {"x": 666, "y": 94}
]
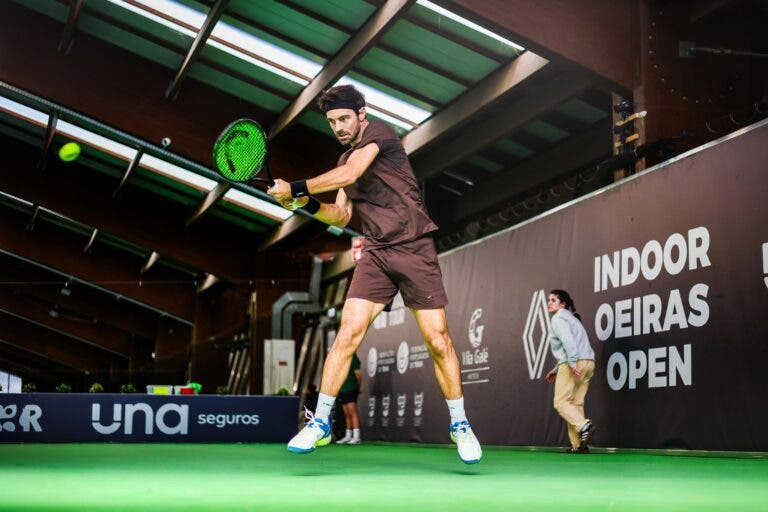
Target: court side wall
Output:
[{"x": 669, "y": 272}]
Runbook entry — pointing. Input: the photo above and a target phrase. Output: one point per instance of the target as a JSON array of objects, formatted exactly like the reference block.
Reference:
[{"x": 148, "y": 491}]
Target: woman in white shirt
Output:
[{"x": 575, "y": 366}]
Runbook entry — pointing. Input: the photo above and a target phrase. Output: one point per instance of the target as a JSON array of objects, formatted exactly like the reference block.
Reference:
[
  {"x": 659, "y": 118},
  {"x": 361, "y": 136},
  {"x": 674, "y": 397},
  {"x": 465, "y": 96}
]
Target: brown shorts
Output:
[{"x": 411, "y": 267}]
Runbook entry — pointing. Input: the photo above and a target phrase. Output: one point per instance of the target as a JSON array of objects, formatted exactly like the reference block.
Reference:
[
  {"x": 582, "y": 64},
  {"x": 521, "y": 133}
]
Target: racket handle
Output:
[{"x": 269, "y": 182}]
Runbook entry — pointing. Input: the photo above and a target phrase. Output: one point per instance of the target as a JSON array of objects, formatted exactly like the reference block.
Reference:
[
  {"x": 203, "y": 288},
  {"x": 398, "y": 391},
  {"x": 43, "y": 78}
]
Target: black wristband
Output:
[
  {"x": 312, "y": 206},
  {"x": 299, "y": 188}
]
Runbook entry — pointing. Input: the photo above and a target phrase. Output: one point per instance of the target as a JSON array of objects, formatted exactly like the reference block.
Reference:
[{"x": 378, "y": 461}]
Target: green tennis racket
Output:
[{"x": 240, "y": 152}]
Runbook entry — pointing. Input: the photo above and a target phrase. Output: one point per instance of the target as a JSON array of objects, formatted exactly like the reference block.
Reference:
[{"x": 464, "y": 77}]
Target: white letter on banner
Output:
[
  {"x": 698, "y": 245},
  {"x": 651, "y": 313},
  {"x": 675, "y": 267},
  {"x": 96, "y": 419},
  {"x": 637, "y": 367},
  {"x": 605, "y": 310},
  {"x": 656, "y": 367},
  {"x": 616, "y": 359},
  {"x": 675, "y": 312},
  {"x": 651, "y": 248},
  {"x": 597, "y": 274},
  {"x": 623, "y": 319},
  {"x": 630, "y": 257},
  {"x": 678, "y": 366},
  {"x": 611, "y": 270},
  {"x": 29, "y": 416},
  {"x": 181, "y": 427},
  {"x": 131, "y": 409},
  {"x": 699, "y": 306}
]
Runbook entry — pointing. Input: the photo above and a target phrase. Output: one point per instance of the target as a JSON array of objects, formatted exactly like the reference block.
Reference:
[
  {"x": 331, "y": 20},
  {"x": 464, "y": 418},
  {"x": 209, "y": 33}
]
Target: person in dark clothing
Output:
[
  {"x": 375, "y": 179},
  {"x": 348, "y": 398}
]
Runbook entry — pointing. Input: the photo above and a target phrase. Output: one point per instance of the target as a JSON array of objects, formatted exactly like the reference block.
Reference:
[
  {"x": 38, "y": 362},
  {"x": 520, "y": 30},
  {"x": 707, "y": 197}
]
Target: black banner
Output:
[
  {"x": 668, "y": 271},
  {"x": 57, "y": 418}
]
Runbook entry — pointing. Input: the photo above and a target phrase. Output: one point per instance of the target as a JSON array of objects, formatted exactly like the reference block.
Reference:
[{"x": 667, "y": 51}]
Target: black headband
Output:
[{"x": 333, "y": 105}]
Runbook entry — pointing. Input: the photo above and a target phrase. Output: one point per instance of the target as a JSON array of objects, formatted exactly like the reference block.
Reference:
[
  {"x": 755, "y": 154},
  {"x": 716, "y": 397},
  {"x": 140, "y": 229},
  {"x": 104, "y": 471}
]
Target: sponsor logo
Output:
[
  {"x": 765, "y": 263},
  {"x": 402, "y": 399},
  {"x": 476, "y": 360},
  {"x": 418, "y": 403},
  {"x": 660, "y": 311},
  {"x": 476, "y": 331},
  {"x": 28, "y": 420},
  {"x": 385, "y": 410},
  {"x": 402, "y": 357},
  {"x": 222, "y": 420},
  {"x": 537, "y": 323},
  {"x": 371, "y": 411},
  {"x": 177, "y": 421},
  {"x": 372, "y": 362}
]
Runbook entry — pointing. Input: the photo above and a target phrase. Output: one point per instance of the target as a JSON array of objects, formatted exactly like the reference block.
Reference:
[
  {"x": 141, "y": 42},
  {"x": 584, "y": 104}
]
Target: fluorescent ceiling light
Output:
[
  {"x": 474, "y": 26},
  {"x": 256, "y": 62},
  {"x": 14, "y": 198},
  {"x": 229, "y": 39},
  {"x": 148, "y": 162},
  {"x": 23, "y": 111},
  {"x": 177, "y": 173},
  {"x": 259, "y": 205},
  {"x": 270, "y": 57},
  {"x": 380, "y": 101},
  {"x": 159, "y": 19},
  {"x": 241, "y": 39},
  {"x": 96, "y": 141}
]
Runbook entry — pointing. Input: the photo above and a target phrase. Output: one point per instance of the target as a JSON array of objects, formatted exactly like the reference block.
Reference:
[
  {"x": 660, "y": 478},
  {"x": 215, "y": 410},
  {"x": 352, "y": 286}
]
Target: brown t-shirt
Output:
[{"x": 387, "y": 196}]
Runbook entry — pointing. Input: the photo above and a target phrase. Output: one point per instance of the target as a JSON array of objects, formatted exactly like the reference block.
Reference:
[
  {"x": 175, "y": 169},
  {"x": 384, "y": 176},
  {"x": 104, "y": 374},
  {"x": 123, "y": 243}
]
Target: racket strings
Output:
[{"x": 241, "y": 151}]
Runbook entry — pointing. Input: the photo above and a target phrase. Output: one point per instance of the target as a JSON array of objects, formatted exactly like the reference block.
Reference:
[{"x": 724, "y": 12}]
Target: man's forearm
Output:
[{"x": 334, "y": 179}]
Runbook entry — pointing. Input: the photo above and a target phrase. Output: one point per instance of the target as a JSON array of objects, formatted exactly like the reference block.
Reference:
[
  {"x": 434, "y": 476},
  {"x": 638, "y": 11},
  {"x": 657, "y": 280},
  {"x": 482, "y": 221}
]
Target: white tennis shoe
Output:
[
  {"x": 315, "y": 433},
  {"x": 469, "y": 448}
]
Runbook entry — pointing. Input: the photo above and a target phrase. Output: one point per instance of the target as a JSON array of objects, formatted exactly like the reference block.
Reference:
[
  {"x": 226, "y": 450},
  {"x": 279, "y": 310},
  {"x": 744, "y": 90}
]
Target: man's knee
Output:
[{"x": 439, "y": 343}]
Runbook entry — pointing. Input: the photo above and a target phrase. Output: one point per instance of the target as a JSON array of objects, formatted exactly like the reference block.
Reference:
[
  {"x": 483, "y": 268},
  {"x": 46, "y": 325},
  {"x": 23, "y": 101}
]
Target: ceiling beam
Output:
[
  {"x": 578, "y": 151},
  {"x": 66, "y": 321},
  {"x": 50, "y": 132},
  {"x": 197, "y": 46},
  {"x": 39, "y": 284},
  {"x": 356, "y": 47},
  {"x": 141, "y": 218},
  {"x": 115, "y": 273},
  {"x": 533, "y": 102},
  {"x": 193, "y": 120},
  {"x": 51, "y": 345},
  {"x": 283, "y": 231},
  {"x": 211, "y": 198},
  {"x": 32, "y": 367},
  {"x": 483, "y": 95},
  {"x": 599, "y": 35},
  {"x": 69, "y": 28}
]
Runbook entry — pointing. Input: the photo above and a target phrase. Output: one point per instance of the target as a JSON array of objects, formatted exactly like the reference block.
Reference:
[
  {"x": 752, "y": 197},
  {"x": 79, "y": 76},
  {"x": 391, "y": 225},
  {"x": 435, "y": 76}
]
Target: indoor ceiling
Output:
[{"x": 133, "y": 227}]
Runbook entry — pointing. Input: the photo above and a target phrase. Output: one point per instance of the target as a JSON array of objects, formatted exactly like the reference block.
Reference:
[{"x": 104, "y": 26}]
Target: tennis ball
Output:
[{"x": 69, "y": 151}]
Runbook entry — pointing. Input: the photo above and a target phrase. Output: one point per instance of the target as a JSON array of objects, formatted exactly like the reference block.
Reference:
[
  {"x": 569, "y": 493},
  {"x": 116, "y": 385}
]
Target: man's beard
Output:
[{"x": 354, "y": 136}]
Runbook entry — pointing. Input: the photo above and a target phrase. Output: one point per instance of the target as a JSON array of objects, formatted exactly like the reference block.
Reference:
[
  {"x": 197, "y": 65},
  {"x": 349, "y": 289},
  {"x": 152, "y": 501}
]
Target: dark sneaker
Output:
[{"x": 586, "y": 432}]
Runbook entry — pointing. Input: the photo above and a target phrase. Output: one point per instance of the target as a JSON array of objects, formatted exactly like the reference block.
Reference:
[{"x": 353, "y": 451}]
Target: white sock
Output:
[
  {"x": 456, "y": 409},
  {"x": 348, "y": 435},
  {"x": 324, "y": 406},
  {"x": 355, "y": 434}
]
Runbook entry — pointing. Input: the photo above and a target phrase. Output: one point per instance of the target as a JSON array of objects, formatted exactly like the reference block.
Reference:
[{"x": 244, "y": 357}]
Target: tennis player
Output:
[{"x": 375, "y": 178}]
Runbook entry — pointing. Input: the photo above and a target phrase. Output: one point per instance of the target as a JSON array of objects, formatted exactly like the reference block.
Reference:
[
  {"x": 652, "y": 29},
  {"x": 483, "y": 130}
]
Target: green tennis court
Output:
[{"x": 369, "y": 478}]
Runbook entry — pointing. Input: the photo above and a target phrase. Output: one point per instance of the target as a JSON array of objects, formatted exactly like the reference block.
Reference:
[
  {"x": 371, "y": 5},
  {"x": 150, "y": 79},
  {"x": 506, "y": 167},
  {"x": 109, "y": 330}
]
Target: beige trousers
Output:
[{"x": 569, "y": 396}]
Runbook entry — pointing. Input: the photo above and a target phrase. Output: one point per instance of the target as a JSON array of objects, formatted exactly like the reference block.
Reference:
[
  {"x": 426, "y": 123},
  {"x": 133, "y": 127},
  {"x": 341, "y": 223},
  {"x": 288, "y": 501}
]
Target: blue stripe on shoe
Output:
[{"x": 299, "y": 450}]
